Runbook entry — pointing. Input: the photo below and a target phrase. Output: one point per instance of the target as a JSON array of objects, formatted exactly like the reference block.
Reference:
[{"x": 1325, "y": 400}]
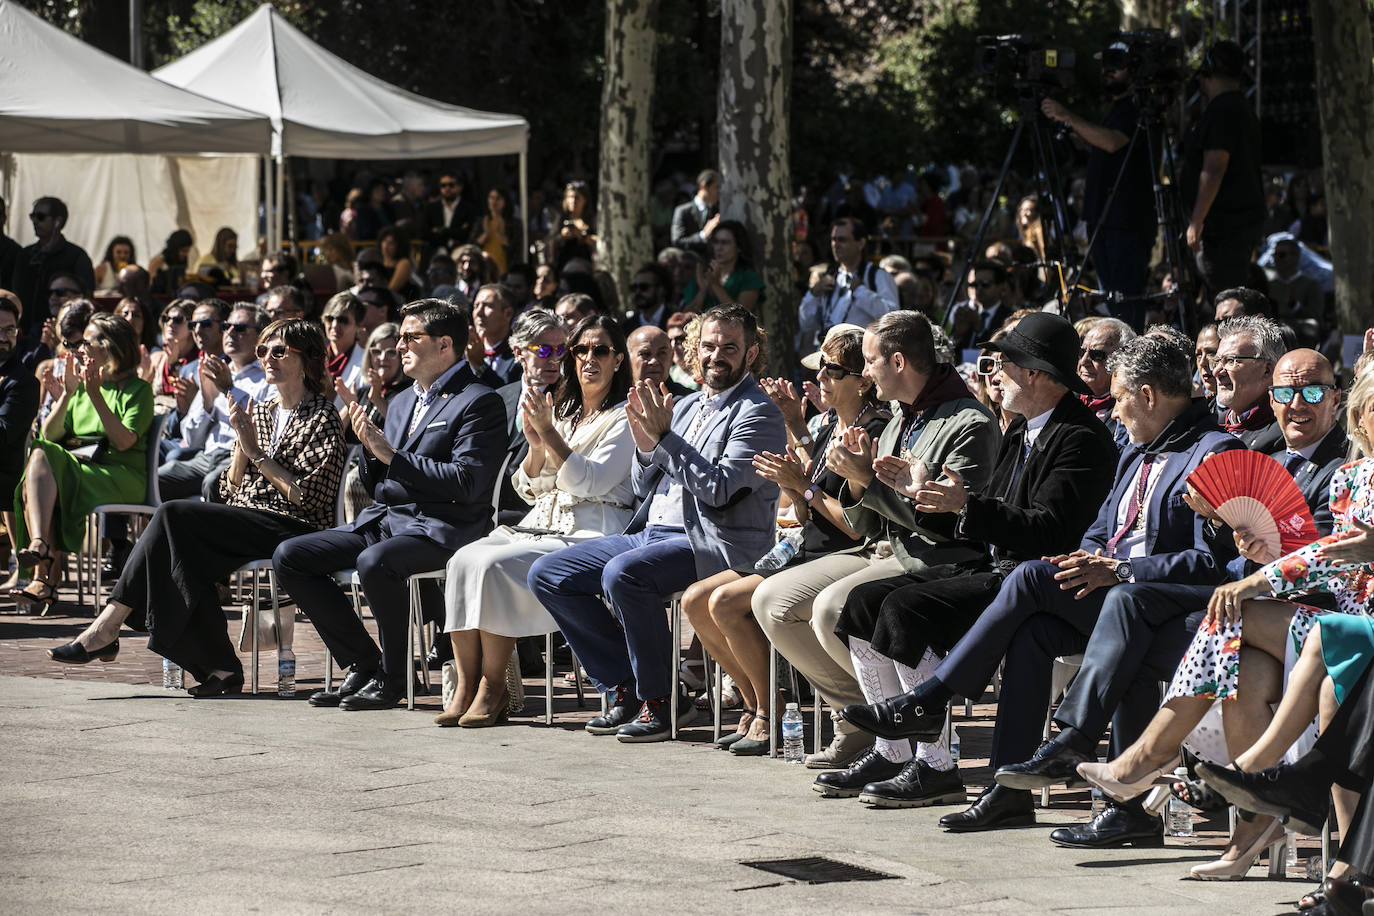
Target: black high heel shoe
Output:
[
  {"x": 216, "y": 686},
  {"x": 73, "y": 653}
]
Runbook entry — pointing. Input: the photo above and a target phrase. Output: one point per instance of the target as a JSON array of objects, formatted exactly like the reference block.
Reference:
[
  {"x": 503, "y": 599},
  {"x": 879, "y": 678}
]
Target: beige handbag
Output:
[{"x": 515, "y": 687}]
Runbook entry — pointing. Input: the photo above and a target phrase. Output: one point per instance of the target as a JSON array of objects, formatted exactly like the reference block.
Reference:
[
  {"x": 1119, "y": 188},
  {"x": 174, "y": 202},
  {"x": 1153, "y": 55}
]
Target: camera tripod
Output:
[
  {"x": 1168, "y": 214},
  {"x": 1045, "y": 171}
]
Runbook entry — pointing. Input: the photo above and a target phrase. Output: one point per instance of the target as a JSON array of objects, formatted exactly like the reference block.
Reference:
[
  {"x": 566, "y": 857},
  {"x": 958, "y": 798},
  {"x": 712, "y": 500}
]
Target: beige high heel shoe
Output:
[
  {"x": 1234, "y": 870},
  {"x": 1100, "y": 775}
]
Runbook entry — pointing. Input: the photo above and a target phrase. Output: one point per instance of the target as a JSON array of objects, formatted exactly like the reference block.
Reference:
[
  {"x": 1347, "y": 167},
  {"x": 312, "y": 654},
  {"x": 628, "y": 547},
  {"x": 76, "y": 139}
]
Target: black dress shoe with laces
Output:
[
  {"x": 440, "y": 652},
  {"x": 1280, "y": 791},
  {"x": 900, "y": 717},
  {"x": 377, "y": 694},
  {"x": 1115, "y": 825},
  {"x": 354, "y": 681},
  {"x": 868, "y": 767},
  {"x": 917, "y": 786},
  {"x": 997, "y": 807},
  {"x": 621, "y": 712},
  {"x": 1052, "y": 764}
]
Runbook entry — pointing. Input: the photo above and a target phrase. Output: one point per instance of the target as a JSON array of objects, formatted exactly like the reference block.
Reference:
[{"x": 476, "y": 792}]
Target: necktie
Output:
[
  {"x": 1294, "y": 463},
  {"x": 1018, "y": 468},
  {"x": 1133, "y": 509}
]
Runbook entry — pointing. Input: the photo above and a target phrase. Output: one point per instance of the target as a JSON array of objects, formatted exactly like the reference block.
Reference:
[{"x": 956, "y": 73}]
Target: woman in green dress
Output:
[
  {"x": 729, "y": 277},
  {"x": 91, "y": 450}
]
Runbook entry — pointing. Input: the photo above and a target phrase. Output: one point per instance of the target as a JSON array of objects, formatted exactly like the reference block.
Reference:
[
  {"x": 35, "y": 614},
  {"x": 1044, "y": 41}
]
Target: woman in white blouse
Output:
[{"x": 577, "y": 480}]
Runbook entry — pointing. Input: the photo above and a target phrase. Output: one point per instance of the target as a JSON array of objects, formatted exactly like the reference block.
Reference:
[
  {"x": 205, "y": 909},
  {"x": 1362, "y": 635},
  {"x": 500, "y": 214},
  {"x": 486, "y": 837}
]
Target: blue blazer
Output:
[
  {"x": 439, "y": 484},
  {"x": 1178, "y": 542},
  {"x": 729, "y": 511}
]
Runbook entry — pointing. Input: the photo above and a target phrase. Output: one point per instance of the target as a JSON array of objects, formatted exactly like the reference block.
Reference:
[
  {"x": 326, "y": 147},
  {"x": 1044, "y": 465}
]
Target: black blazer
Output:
[
  {"x": 458, "y": 231},
  {"x": 18, "y": 407},
  {"x": 1313, "y": 477},
  {"x": 1266, "y": 439},
  {"x": 1067, "y": 475},
  {"x": 687, "y": 223},
  {"x": 439, "y": 484}
]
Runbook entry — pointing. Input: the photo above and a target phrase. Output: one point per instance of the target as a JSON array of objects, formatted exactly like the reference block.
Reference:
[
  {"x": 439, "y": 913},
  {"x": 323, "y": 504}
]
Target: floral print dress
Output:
[{"x": 1211, "y": 666}]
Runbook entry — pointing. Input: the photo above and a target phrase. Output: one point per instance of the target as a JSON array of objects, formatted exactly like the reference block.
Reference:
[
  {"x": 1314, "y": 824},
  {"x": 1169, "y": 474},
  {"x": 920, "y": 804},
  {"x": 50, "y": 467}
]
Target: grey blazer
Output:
[{"x": 728, "y": 510}]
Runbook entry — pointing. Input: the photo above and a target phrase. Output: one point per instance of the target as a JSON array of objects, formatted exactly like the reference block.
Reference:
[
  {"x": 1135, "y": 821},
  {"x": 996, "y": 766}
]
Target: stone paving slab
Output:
[{"x": 124, "y": 798}]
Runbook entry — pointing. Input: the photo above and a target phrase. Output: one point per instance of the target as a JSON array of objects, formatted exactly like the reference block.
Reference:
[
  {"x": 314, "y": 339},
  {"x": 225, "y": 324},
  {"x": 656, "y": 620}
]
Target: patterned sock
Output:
[
  {"x": 935, "y": 754},
  {"x": 878, "y": 681}
]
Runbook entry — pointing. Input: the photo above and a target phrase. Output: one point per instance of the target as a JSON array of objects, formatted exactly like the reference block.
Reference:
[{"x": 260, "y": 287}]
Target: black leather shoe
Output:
[
  {"x": 73, "y": 653},
  {"x": 997, "y": 807},
  {"x": 377, "y": 694},
  {"x": 1052, "y": 764},
  {"x": 917, "y": 786},
  {"x": 869, "y": 767},
  {"x": 354, "y": 681},
  {"x": 216, "y": 686},
  {"x": 899, "y": 717},
  {"x": 113, "y": 566},
  {"x": 440, "y": 652},
  {"x": 654, "y": 722},
  {"x": 1115, "y": 825},
  {"x": 619, "y": 713},
  {"x": 1278, "y": 791}
]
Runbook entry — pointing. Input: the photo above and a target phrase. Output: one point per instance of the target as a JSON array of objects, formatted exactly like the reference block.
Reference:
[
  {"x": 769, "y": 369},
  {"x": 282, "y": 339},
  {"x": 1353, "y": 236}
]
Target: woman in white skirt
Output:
[{"x": 577, "y": 480}]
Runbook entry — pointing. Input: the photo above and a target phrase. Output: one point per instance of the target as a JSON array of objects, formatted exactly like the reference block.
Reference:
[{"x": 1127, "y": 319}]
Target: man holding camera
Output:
[{"x": 1125, "y": 231}]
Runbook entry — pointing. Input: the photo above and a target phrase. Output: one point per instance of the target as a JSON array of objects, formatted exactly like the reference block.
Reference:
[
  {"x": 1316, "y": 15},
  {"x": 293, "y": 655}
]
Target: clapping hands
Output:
[{"x": 650, "y": 414}]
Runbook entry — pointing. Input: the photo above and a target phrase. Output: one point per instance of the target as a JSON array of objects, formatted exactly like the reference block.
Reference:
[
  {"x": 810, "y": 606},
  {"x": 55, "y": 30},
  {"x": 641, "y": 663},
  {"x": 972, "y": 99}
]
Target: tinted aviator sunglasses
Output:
[
  {"x": 276, "y": 351},
  {"x": 546, "y": 351},
  {"x": 1312, "y": 394},
  {"x": 600, "y": 351},
  {"x": 836, "y": 371},
  {"x": 209, "y": 323}
]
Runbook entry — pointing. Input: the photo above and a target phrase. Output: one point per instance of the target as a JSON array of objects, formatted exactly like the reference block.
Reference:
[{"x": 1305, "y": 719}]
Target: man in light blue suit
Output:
[{"x": 702, "y": 510}]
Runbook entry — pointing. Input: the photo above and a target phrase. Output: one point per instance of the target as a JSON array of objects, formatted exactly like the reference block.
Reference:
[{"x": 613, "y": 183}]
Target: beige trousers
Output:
[{"x": 798, "y": 609}]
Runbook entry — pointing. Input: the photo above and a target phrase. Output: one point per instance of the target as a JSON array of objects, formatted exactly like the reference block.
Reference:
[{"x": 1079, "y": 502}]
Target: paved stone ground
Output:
[{"x": 122, "y": 797}]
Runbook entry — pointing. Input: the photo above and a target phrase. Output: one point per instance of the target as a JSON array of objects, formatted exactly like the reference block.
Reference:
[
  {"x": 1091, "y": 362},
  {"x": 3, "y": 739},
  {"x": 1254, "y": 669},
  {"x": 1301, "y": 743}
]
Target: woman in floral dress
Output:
[{"x": 1251, "y": 640}]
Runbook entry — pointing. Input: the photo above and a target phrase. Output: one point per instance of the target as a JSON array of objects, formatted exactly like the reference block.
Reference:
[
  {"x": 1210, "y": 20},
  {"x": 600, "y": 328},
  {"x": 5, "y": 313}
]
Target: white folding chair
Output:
[
  {"x": 1061, "y": 676},
  {"x": 95, "y": 521},
  {"x": 256, "y": 569}
]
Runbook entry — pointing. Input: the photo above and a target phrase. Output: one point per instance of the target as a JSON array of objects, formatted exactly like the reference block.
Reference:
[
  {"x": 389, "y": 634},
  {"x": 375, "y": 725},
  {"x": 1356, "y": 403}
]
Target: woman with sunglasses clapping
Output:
[
  {"x": 576, "y": 478},
  {"x": 282, "y": 481}
]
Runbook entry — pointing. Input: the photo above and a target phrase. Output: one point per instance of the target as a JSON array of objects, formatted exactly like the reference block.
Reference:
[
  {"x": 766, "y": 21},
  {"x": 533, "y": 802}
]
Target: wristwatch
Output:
[
  {"x": 805, "y": 440},
  {"x": 811, "y": 493},
  {"x": 1123, "y": 571}
]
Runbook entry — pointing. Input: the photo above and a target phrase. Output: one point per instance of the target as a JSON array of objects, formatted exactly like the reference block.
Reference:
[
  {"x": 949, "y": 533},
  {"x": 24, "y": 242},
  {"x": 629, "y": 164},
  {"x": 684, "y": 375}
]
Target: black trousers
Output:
[
  {"x": 170, "y": 577},
  {"x": 903, "y": 616},
  {"x": 305, "y": 566},
  {"x": 1139, "y": 639},
  {"x": 1344, "y": 756}
]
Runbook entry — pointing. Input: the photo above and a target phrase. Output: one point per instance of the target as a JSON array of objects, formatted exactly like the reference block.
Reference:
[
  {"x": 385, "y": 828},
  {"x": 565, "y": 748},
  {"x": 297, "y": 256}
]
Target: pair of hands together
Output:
[{"x": 851, "y": 456}]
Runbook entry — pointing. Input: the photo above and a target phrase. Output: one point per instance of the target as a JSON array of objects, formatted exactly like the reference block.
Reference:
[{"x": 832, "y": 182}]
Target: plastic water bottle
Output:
[
  {"x": 1180, "y": 821},
  {"x": 778, "y": 557},
  {"x": 954, "y": 743},
  {"x": 172, "y": 677},
  {"x": 286, "y": 672},
  {"x": 1290, "y": 849},
  {"x": 792, "y": 731}
]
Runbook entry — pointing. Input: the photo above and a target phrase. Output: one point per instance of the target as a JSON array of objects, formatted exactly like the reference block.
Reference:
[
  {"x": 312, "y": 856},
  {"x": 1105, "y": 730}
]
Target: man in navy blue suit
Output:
[
  {"x": 431, "y": 474},
  {"x": 1145, "y": 532}
]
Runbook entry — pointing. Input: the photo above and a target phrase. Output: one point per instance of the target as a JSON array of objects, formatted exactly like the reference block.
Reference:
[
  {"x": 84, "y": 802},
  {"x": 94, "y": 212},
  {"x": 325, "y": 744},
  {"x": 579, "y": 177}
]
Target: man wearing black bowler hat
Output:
[
  {"x": 1144, "y": 532},
  {"x": 1053, "y": 470}
]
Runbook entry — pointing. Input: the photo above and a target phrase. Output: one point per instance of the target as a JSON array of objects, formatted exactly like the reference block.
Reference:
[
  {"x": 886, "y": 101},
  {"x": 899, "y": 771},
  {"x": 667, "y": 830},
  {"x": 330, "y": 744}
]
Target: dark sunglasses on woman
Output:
[
  {"x": 836, "y": 371},
  {"x": 600, "y": 351},
  {"x": 276, "y": 351}
]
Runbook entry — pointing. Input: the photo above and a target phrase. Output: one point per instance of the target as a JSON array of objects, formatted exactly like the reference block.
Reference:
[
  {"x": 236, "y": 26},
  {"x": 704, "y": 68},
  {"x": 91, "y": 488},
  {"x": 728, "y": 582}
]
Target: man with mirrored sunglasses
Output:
[{"x": 237, "y": 374}]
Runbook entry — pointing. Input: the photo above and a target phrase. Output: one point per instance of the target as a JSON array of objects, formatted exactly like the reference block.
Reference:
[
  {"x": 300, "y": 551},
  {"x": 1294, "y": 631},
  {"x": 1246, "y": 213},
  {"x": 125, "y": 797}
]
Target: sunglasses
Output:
[
  {"x": 1312, "y": 394},
  {"x": 678, "y": 340},
  {"x": 173, "y": 319},
  {"x": 237, "y": 328},
  {"x": 409, "y": 337},
  {"x": 600, "y": 351},
  {"x": 63, "y": 291},
  {"x": 39, "y": 217},
  {"x": 338, "y": 319},
  {"x": 546, "y": 351},
  {"x": 989, "y": 365},
  {"x": 641, "y": 287},
  {"x": 836, "y": 371},
  {"x": 1097, "y": 356},
  {"x": 276, "y": 351},
  {"x": 207, "y": 323}
]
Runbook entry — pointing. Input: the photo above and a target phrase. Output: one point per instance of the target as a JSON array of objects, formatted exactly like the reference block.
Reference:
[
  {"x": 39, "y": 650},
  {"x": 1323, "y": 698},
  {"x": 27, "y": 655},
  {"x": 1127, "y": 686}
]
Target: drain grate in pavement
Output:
[{"x": 817, "y": 870}]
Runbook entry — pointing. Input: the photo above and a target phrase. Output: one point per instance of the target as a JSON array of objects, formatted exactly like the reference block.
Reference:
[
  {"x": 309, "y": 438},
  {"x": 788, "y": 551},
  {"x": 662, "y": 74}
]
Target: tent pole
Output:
[
  {"x": 280, "y": 213},
  {"x": 265, "y": 164},
  {"x": 524, "y": 209}
]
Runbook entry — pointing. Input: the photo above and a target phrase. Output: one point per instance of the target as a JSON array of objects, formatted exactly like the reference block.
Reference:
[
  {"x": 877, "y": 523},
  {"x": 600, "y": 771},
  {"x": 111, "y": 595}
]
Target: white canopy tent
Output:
[
  {"x": 322, "y": 106},
  {"x": 138, "y": 142}
]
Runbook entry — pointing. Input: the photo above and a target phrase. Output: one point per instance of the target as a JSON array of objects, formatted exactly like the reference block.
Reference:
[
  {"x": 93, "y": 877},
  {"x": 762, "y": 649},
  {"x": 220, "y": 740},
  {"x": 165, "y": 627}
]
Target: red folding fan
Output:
[{"x": 1254, "y": 491}]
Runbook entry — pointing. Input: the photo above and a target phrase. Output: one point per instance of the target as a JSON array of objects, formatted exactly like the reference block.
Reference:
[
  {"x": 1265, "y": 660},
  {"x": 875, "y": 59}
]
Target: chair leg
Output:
[
  {"x": 253, "y": 625},
  {"x": 675, "y": 613},
  {"x": 99, "y": 560},
  {"x": 577, "y": 684},
  {"x": 715, "y": 683},
  {"x": 816, "y": 720},
  {"x": 772, "y": 701},
  {"x": 412, "y": 637},
  {"x": 548, "y": 678}
]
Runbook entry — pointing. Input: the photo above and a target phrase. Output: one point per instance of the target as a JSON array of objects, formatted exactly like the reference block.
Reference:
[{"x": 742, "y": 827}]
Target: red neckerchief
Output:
[
  {"x": 1098, "y": 402},
  {"x": 1257, "y": 417},
  {"x": 337, "y": 364}
]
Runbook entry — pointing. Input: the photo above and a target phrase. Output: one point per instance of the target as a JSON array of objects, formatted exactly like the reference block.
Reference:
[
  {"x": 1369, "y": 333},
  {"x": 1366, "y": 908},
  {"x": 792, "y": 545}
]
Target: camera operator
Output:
[
  {"x": 1121, "y": 253},
  {"x": 1221, "y": 172}
]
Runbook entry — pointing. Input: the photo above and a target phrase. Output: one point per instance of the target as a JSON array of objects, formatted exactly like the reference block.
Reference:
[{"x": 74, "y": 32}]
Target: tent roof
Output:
[
  {"x": 61, "y": 95},
  {"x": 323, "y": 106}
]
